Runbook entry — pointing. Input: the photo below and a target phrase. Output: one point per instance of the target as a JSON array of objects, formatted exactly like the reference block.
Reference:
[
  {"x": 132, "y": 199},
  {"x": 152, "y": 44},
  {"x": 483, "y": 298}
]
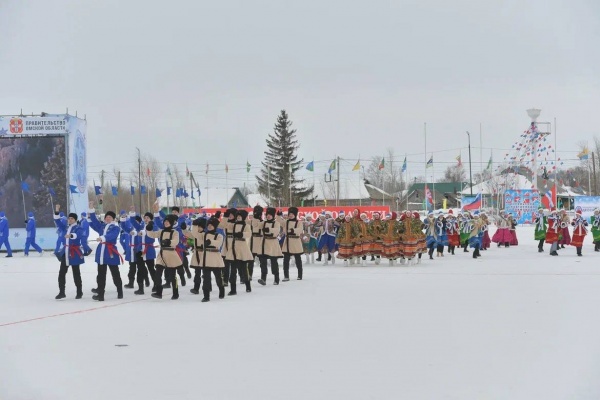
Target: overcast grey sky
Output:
[{"x": 203, "y": 81}]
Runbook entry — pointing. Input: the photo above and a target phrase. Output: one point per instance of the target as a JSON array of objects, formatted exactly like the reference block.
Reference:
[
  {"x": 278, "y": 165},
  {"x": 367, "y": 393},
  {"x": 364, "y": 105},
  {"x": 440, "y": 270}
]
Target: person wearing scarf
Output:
[{"x": 107, "y": 254}]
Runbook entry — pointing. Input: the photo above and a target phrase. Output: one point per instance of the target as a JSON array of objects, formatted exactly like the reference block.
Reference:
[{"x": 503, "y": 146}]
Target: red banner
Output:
[{"x": 303, "y": 211}]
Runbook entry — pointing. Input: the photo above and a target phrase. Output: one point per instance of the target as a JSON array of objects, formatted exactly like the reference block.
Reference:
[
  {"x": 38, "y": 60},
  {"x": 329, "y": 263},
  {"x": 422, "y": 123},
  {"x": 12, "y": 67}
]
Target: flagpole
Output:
[
  {"x": 555, "y": 167},
  {"x": 359, "y": 191},
  {"x": 226, "y": 182},
  {"x": 23, "y": 196},
  {"x": 314, "y": 182},
  {"x": 425, "y": 186},
  {"x": 481, "y": 162}
]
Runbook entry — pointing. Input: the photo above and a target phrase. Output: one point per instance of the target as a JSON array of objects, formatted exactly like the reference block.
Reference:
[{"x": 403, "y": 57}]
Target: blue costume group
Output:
[
  {"x": 30, "y": 240},
  {"x": 4, "y": 232},
  {"x": 70, "y": 253}
]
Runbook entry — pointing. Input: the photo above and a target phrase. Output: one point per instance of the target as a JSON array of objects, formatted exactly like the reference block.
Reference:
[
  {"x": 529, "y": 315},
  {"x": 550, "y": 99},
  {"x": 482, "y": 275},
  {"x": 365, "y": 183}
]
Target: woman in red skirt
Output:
[
  {"x": 564, "y": 225},
  {"x": 579, "y": 231}
]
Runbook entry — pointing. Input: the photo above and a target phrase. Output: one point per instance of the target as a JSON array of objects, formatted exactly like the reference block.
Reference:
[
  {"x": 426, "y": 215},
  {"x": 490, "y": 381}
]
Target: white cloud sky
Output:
[{"x": 199, "y": 81}]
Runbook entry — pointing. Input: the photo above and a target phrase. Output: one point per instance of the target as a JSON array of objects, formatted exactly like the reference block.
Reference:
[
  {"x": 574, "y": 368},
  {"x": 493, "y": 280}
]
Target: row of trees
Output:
[{"x": 278, "y": 181}]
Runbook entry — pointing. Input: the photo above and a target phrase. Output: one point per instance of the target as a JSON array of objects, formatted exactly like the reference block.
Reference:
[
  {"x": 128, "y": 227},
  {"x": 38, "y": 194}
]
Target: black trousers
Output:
[
  {"x": 62, "y": 275},
  {"x": 274, "y": 267},
  {"x": 186, "y": 263},
  {"x": 227, "y": 270},
  {"x": 240, "y": 267},
  {"x": 207, "y": 286},
  {"x": 286, "y": 264},
  {"x": 170, "y": 276},
  {"x": 116, "y": 277},
  {"x": 197, "y": 277},
  {"x": 151, "y": 270}
]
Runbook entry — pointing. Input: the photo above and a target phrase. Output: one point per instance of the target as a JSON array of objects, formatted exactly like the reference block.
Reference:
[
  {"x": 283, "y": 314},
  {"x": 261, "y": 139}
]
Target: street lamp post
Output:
[{"x": 470, "y": 171}]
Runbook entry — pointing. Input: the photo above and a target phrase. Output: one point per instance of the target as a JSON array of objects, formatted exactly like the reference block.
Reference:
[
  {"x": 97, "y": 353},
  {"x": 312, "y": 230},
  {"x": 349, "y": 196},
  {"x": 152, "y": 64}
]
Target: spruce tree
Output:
[
  {"x": 281, "y": 163},
  {"x": 52, "y": 175}
]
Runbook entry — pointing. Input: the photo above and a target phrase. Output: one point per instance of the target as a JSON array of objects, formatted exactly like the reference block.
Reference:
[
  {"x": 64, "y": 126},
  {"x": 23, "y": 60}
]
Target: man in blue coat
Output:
[
  {"x": 84, "y": 225},
  {"x": 107, "y": 254},
  {"x": 71, "y": 255},
  {"x": 4, "y": 231},
  {"x": 61, "y": 226},
  {"x": 30, "y": 241}
]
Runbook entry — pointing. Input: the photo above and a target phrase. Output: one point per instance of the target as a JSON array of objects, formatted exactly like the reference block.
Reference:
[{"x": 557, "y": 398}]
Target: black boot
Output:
[
  {"x": 98, "y": 297},
  {"x": 157, "y": 295},
  {"x": 61, "y": 294},
  {"x": 166, "y": 285},
  {"x": 579, "y": 252},
  {"x": 119, "y": 293},
  {"x": 175, "y": 293},
  {"x": 139, "y": 291},
  {"x": 79, "y": 293},
  {"x": 221, "y": 292},
  {"x": 431, "y": 253},
  {"x": 94, "y": 290},
  {"x": 206, "y": 296},
  {"x": 248, "y": 288},
  {"x": 129, "y": 285},
  {"x": 232, "y": 292}
]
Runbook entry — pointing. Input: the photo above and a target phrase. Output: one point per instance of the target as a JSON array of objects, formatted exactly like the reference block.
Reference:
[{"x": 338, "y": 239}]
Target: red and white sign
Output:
[{"x": 303, "y": 211}]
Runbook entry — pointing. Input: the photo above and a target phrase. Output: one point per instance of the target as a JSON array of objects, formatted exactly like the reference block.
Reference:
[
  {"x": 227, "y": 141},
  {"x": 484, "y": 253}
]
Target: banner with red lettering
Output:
[{"x": 303, "y": 211}]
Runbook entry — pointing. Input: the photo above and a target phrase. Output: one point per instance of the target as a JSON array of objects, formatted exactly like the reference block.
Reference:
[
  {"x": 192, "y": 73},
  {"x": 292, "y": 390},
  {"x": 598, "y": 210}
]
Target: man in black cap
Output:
[
  {"x": 270, "y": 248},
  {"x": 107, "y": 254},
  {"x": 292, "y": 245},
  {"x": 226, "y": 225},
  {"x": 256, "y": 238}
]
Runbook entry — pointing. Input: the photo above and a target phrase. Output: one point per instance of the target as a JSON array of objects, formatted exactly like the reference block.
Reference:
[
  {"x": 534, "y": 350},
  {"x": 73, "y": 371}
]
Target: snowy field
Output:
[{"x": 514, "y": 324}]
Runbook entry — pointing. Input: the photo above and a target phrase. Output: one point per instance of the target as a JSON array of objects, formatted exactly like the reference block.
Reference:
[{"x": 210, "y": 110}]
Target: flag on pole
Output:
[
  {"x": 25, "y": 186},
  {"x": 97, "y": 190},
  {"x": 489, "y": 166},
  {"x": 207, "y": 168},
  {"x": 381, "y": 164},
  {"x": 356, "y": 166},
  {"x": 51, "y": 191},
  {"x": 226, "y": 168},
  {"x": 584, "y": 154},
  {"x": 132, "y": 190},
  {"x": 168, "y": 190},
  {"x": 148, "y": 171},
  {"x": 187, "y": 170},
  {"x": 430, "y": 162},
  {"x": 428, "y": 197},
  {"x": 143, "y": 189},
  {"x": 73, "y": 189},
  {"x": 115, "y": 191},
  {"x": 331, "y": 167},
  {"x": 310, "y": 166},
  {"x": 158, "y": 192},
  {"x": 168, "y": 170},
  {"x": 404, "y": 165},
  {"x": 248, "y": 166},
  {"x": 459, "y": 160}
]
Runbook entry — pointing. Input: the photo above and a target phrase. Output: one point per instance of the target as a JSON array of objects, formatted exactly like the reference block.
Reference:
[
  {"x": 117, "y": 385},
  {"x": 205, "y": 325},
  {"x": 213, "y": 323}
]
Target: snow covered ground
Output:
[{"x": 514, "y": 324}]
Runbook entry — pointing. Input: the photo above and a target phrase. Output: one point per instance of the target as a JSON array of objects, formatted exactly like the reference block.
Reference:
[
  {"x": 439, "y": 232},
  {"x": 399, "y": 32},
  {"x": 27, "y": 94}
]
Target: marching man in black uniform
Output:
[
  {"x": 270, "y": 249},
  {"x": 168, "y": 260},
  {"x": 292, "y": 244},
  {"x": 239, "y": 252},
  {"x": 206, "y": 256}
]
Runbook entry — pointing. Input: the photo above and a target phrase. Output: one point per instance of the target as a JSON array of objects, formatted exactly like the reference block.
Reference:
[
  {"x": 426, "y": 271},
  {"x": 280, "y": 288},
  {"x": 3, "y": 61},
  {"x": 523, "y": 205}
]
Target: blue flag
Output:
[
  {"x": 185, "y": 193},
  {"x": 310, "y": 166},
  {"x": 404, "y": 165},
  {"x": 168, "y": 191},
  {"x": 98, "y": 190},
  {"x": 115, "y": 191},
  {"x": 73, "y": 189},
  {"x": 199, "y": 192},
  {"x": 158, "y": 193},
  {"x": 178, "y": 192},
  {"x": 24, "y": 187},
  {"x": 51, "y": 191},
  {"x": 143, "y": 189},
  {"x": 132, "y": 190}
]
